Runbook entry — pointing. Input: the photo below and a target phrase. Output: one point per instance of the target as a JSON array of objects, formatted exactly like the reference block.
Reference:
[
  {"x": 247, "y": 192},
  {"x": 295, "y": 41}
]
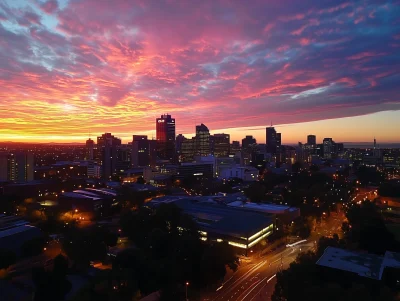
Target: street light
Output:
[{"x": 187, "y": 284}]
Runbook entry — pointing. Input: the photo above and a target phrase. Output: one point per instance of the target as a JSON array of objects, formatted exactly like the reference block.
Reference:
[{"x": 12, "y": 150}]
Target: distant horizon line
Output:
[{"x": 290, "y": 143}]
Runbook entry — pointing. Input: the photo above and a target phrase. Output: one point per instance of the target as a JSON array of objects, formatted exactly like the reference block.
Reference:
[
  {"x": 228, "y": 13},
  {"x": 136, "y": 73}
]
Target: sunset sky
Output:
[{"x": 70, "y": 68}]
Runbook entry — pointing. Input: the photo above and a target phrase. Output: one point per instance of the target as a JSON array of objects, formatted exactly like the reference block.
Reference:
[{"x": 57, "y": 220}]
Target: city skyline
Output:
[
  {"x": 325, "y": 68},
  {"x": 290, "y": 132}
]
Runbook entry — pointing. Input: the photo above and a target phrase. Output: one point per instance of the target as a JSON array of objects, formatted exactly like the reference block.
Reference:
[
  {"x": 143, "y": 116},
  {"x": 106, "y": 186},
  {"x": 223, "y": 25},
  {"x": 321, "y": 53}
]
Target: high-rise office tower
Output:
[
  {"x": 311, "y": 140},
  {"x": 247, "y": 141},
  {"x": 140, "y": 151},
  {"x": 188, "y": 150},
  {"x": 17, "y": 167},
  {"x": 221, "y": 145},
  {"x": 178, "y": 143},
  {"x": 328, "y": 148},
  {"x": 124, "y": 157},
  {"x": 376, "y": 150},
  {"x": 89, "y": 154},
  {"x": 271, "y": 140},
  {"x": 235, "y": 147},
  {"x": 202, "y": 140},
  {"x": 165, "y": 135},
  {"x": 107, "y": 154},
  {"x": 153, "y": 144},
  {"x": 4, "y": 166},
  {"x": 278, "y": 142},
  {"x": 212, "y": 144}
]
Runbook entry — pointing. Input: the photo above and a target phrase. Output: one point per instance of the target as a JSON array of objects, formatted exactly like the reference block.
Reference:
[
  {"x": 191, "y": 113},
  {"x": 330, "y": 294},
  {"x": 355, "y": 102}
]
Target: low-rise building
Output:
[
  {"x": 218, "y": 222},
  {"x": 367, "y": 268},
  {"x": 186, "y": 170},
  {"x": 14, "y": 232},
  {"x": 246, "y": 173},
  {"x": 88, "y": 199}
]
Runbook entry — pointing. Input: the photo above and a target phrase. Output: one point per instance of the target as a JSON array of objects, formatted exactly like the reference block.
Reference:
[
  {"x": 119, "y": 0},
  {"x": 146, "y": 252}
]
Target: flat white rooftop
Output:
[
  {"x": 362, "y": 264},
  {"x": 268, "y": 208}
]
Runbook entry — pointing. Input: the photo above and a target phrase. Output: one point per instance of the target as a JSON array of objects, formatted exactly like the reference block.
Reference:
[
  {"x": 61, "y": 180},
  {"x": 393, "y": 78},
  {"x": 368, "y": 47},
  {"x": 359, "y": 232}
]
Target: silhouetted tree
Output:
[
  {"x": 140, "y": 180},
  {"x": 7, "y": 258},
  {"x": 256, "y": 192},
  {"x": 51, "y": 285},
  {"x": 33, "y": 247}
]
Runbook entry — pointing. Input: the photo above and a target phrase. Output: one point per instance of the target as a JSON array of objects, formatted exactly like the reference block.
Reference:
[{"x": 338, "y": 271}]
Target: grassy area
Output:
[{"x": 395, "y": 229}]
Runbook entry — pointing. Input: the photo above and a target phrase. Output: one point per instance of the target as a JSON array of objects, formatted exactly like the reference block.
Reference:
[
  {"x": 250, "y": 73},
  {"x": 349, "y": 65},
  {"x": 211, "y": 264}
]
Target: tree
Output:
[
  {"x": 304, "y": 280},
  {"x": 137, "y": 225},
  {"x": 256, "y": 192},
  {"x": 110, "y": 239},
  {"x": 170, "y": 254},
  {"x": 367, "y": 228},
  {"x": 33, "y": 247},
  {"x": 296, "y": 166},
  {"x": 51, "y": 285},
  {"x": 288, "y": 286},
  {"x": 140, "y": 180},
  {"x": 369, "y": 175},
  {"x": 301, "y": 227},
  {"x": 85, "y": 245},
  {"x": 128, "y": 272},
  {"x": 7, "y": 258},
  {"x": 215, "y": 259}
]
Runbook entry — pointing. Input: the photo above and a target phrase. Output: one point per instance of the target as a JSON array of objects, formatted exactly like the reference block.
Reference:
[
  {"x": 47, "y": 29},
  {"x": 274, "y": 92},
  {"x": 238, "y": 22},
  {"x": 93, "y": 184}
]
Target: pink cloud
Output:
[
  {"x": 268, "y": 27},
  {"x": 305, "y": 41},
  {"x": 363, "y": 55},
  {"x": 50, "y": 6},
  {"x": 221, "y": 62}
]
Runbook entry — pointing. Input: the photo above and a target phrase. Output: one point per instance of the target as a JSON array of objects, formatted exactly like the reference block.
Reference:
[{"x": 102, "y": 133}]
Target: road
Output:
[
  {"x": 44, "y": 259},
  {"x": 256, "y": 280},
  {"x": 369, "y": 193}
]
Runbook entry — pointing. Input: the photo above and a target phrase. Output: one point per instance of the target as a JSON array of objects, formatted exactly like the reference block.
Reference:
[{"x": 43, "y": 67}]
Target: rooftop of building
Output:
[
  {"x": 196, "y": 163},
  {"x": 362, "y": 264},
  {"x": 77, "y": 195},
  {"x": 32, "y": 183},
  {"x": 13, "y": 239},
  {"x": 261, "y": 207},
  {"x": 7, "y": 222},
  {"x": 16, "y": 230},
  {"x": 141, "y": 187},
  {"x": 217, "y": 217},
  {"x": 91, "y": 193}
]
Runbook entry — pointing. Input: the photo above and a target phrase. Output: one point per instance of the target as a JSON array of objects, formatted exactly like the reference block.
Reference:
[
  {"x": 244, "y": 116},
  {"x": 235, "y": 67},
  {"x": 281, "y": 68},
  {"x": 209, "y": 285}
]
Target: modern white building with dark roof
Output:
[
  {"x": 218, "y": 222},
  {"x": 362, "y": 264}
]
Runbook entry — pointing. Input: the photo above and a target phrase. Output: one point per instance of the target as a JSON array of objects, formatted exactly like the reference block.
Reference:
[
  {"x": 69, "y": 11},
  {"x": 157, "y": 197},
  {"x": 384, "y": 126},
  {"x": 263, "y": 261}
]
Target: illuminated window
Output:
[
  {"x": 258, "y": 239},
  {"x": 235, "y": 244}
]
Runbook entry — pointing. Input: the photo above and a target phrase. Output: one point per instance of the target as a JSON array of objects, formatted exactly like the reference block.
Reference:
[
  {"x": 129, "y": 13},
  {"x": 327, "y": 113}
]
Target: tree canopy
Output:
[
  {"x": 366, "y": 227},
  {"x": 304, "y": 280},
  {"x": 169, "y": 253},
  {"x": 51, "y": 285}
]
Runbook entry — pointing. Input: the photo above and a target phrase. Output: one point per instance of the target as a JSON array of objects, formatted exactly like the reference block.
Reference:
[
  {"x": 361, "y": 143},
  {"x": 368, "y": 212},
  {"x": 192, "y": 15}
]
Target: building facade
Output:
[
  {"x": 311, "y": 140},
  {"x": 17, "y": 167},
  {"x": 272, "y": 140},
  {"x": 202, "y": 140},
  {"x": 140, "y": 151},
  {"x": 221, "y": 145},
  {"x": 165, "y": 135},
  {"x": 107, "y": 155},
  {"x": 89, "y": 151},
  {"x": 247, "y": 141}
]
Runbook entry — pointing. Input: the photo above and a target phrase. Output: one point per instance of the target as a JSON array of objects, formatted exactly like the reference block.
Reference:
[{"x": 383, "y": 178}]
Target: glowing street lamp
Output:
[{"x": 187, "y": 284}]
